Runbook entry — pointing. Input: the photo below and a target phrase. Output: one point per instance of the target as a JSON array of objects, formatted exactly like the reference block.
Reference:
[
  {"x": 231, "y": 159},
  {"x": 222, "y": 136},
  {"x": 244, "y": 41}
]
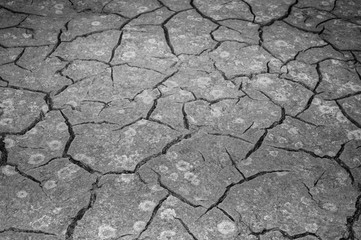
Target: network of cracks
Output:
[{"x": 180, "y": 119}]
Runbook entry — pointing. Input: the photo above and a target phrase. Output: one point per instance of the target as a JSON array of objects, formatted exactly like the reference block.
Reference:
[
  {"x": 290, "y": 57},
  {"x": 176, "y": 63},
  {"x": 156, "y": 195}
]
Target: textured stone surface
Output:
[{"x": 180, "y": 119}]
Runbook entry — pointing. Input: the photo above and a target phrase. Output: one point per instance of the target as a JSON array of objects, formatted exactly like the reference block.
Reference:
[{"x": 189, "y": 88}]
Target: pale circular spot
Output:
[
  {"x": 330, "y": 206},
  {"x": 311, "y": 227},
  {"x": 158, "y": 117},
  {"x": 99, "y": 53},
  {"x": 173, "y": 176},
  {"x": 356, "y": 160},
  {"x": 281, "y": 43},
  {"x": 139, "y": 226},
  {"x": 22, "y": 194},
  {"x": 152, "y": 41},
  {"x": 72, "y": 89},
  {"x": 246, "y": 162},
  {"x": 171, "y": 155},
  {"x": 127, "y": 178},
  {"x": 280, "y": 96},
  {"x": 106, "y": 231},
  {"x": 129, "y": 164},
  {"x": 9, "y": 143},
  {"x": 59, "y": 6},
  {"x": 325, "y": 3},
  {"x": 189, "y": 176},
  {"x": 172, "y": 201},
  {"x": 8, "y": 170},
  {"x": 147, "y": 205},
  {"x": 130, "y": 54},
  {"x": 163, "y": 168},
  {"x": 127, "y": 36},
  {"x": 239, "y": 120},
  {"x": 281, "y": 173},
  {"x": 168, "y": 214},
  {"x": 216, "y": 93},
  {"x": 36, "y": 158},
  {"x": 203, "y": 82},
  {"x": 293, "y": 130},
  {"x": 298, "y": 144},
  {"x": 303, "y": 76},
  {"x": 316, "y": 101},
  {"x": 340, "y": 117},
  {"x": 6, "y": 121},
  {"x": 156, "y": 188},
  {"x": 224, "y": 54},
  {"x": 142, "y": 122},
  {"x": 195, "y": 181},
  {"x": 226, "y": 227},
  {"x": 72, "y": 103},
  {"x": 50, "y": 184},
  {"x": 354, "y": 135},
  {"x": 318, "y": 151},
  {"x": 230, "y": 85},
  {"x": 57, "y": 210},
  {"x": 45, "y": 108},
  {"x": 331, "y": 153},
  {"x": 42, "y": 222},
  {"x": 58, "y": 12},
  {"x": 25, "y": 35},
  {"x": 142, "y": 9},
  {"x": 264, "y": 81},
  {"x": 7, "y": 103},
  {"x": 324, "y": 109},
  {"x": 55, "y": 145},
  {"x": 273, "y": 153},
  {"x": 167, "y": 234},
  {"x": 96, "y": 23},
  {"x": 33, "y": 131},
  {"x": 68, "y": 171},
  {"x": 184, "y": 189},
  {"x": 183, "y": 165},
  {"x": 131, "y": 132},
  {"x": 84, "y": 158}
]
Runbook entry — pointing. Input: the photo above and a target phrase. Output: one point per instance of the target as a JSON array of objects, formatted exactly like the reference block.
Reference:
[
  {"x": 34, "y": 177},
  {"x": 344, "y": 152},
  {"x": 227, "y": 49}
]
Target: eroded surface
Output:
[{"x": 180, "y": 119}]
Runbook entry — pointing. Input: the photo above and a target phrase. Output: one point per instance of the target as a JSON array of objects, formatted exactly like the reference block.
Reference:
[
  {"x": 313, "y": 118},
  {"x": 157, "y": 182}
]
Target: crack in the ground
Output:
[
  {"x": 38, "y": 119},
  {"x": 48, "y": 98},
  {"x": 56, "y": 45},
  {"x": 19, "y": 230},
  {"x": 27, "y": 176},
  {"x": 230, "y": 186},
  {"x": 226, "y": 213},
  {"x": 234, "y": 164},
  {"x": 80, "y": 214},
  {"x": 174, "y": 193},
  {"x": 154, "y": 213},
  {"x": 71, "y": 134},
  {"x": 148, "y": 158},
  {"x": 230, "y": 136},
  {"x": 3, "y": 151},
  {"x": 344, "y": 113},
  {"x": 284, "y": 234},
  {"x": 353, "y": 219},
  {"x": 335, "y": 158},
  {"x": 185, "y": 117},
  {"x": 186, "y": 227},
  {"x": 20, "y": 12}
]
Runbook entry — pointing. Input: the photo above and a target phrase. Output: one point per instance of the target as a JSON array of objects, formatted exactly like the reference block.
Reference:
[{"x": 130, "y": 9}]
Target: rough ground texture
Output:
[{"x": 180, "y": 119}]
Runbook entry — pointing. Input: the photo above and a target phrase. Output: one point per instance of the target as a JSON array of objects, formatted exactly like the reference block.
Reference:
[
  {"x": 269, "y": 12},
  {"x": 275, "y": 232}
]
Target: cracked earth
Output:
[{"x": 180, "y": 119}]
